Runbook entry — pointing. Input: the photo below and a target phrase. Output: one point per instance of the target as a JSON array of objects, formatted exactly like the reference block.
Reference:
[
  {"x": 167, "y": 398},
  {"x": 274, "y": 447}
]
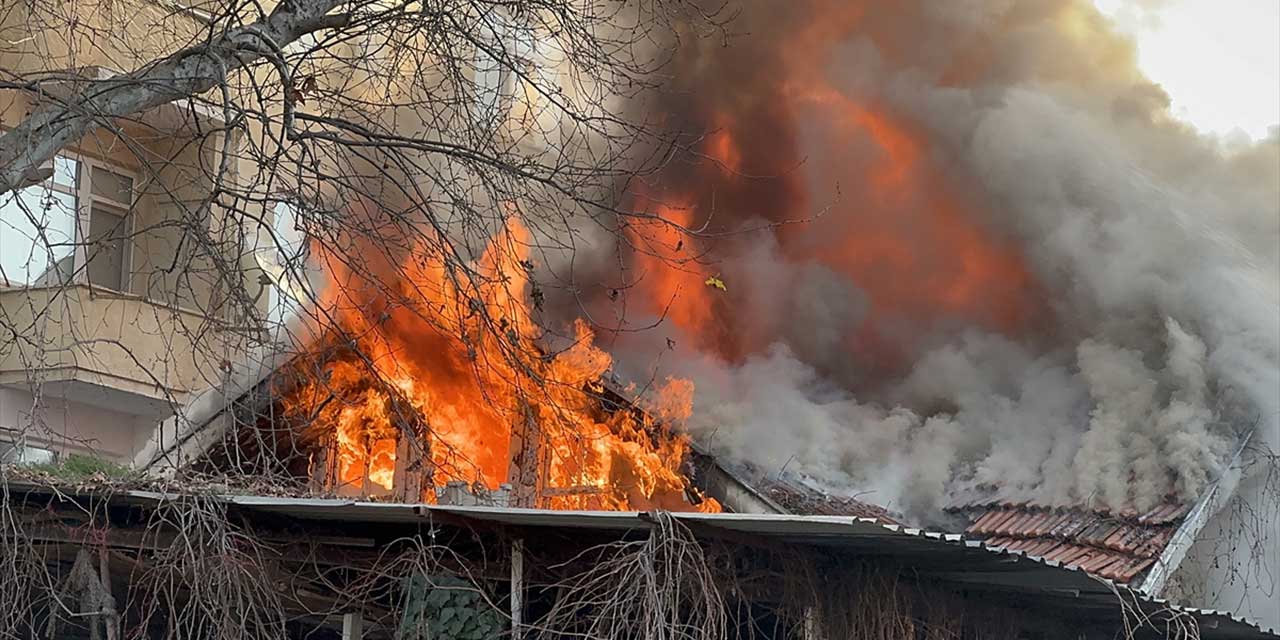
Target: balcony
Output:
[{"x": 107, "y": 349}]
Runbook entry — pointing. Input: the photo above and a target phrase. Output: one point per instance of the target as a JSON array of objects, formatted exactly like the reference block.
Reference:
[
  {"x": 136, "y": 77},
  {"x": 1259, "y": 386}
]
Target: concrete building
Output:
[
  {"x": 113, "y": 318},
  {"x": 124, "y": 279}
]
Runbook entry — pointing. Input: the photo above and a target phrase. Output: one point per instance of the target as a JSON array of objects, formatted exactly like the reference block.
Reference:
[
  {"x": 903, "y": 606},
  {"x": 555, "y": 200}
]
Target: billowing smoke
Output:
[{"x": 961, "y": 244}]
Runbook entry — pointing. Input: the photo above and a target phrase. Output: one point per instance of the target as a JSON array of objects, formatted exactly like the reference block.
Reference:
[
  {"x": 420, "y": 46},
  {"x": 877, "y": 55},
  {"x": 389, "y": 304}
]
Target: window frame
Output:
[{"x": 85, "y": 199}]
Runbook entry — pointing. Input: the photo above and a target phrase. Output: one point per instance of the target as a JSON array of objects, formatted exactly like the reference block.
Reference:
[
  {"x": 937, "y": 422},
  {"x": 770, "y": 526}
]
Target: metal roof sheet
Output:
[
  {"x": 972, "y": 564},
  {"x": 950, "y": 557}
]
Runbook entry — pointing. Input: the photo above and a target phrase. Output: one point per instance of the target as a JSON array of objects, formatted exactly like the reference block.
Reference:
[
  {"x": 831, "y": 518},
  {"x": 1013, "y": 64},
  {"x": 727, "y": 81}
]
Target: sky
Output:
[{"x": 1219, "y": 60}]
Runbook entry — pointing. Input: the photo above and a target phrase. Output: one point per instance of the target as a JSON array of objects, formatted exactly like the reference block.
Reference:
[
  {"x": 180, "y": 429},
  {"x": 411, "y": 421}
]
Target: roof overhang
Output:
[{"x": 969, "y": 565}]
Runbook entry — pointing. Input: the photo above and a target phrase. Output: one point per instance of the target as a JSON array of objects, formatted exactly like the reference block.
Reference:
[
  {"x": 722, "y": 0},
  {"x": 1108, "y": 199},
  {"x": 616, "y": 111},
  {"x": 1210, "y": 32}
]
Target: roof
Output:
[
  {"x": 801, "y": 499},
  {"x": 1131, "y": 547},
  {"x": 950, "y": 558},
  {"x": 968, "y": 564},
  {"x": 1116, "y": 546}
]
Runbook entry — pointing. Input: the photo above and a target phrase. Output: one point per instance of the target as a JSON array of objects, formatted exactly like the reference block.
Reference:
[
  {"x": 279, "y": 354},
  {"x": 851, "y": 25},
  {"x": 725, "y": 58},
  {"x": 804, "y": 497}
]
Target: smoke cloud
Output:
[{"x": 1015, "y": 269}]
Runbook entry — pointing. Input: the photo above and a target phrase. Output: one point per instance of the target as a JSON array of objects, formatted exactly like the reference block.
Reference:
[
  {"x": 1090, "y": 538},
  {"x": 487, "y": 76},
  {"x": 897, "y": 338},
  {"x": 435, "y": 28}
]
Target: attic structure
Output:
[{"x": 243, "y": 429}]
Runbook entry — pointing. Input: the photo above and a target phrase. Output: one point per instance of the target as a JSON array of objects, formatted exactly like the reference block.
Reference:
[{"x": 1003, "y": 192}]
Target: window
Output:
[
  {"x": 283, "y": 258},
  {"x": 18, "y": 453},
  {"x": 40, "y": 228},
  {"x": 108, "y": 254}
]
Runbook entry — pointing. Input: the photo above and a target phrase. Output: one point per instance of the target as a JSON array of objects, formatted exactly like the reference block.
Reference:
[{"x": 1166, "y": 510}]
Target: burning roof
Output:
[
  {"x": 406, "y": 384},
  {"x": 365, "y": 440}
]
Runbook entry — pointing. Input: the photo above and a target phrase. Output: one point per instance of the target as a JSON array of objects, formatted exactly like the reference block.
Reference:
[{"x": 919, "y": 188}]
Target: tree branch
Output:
[{"x": 189, "y": 72}]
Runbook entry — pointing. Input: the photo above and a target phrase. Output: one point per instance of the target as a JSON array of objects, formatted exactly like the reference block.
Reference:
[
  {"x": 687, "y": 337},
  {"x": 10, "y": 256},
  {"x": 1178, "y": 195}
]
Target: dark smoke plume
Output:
[{"x": 1017, "y": 269}]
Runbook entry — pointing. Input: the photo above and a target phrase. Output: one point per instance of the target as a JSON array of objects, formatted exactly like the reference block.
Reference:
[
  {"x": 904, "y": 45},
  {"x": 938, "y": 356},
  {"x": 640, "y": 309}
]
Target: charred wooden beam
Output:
[{"x": 526, "y": 467}]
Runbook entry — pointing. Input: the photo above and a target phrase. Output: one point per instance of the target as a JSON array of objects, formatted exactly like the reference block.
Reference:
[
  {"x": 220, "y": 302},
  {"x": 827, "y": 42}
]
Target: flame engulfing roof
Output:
[{"x": 1118, "y": 546}]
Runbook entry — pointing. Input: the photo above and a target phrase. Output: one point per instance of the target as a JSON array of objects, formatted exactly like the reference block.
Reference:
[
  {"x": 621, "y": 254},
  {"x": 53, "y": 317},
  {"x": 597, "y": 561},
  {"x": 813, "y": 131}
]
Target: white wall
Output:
[{"x": 68, "y": 426}]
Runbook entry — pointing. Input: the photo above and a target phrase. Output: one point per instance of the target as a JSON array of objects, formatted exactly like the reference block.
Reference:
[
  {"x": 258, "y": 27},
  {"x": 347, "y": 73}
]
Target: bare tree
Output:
[
  {"x": 252, "y": 169},
  {"x": 193, "y": 189}
]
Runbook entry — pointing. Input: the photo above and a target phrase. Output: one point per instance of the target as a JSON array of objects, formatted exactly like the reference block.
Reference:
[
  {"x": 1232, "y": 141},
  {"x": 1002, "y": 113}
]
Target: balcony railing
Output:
[{"x": 76, "y": 335}]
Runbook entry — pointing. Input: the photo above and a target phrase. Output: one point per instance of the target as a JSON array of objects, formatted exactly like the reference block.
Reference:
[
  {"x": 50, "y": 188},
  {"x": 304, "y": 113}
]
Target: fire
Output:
[
  {"x": 671, "y": 271},
  {"x": 439, "y": 373},
  {"x": 927, "y": 253},
  {"x": 904, "y": 231}
]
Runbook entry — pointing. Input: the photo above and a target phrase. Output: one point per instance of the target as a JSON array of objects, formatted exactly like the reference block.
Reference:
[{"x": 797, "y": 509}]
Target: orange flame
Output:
[
  {"x": 926, "y": 252},
  {"x": 909, "y": 237},
  {"x": 454, "y": 360}
]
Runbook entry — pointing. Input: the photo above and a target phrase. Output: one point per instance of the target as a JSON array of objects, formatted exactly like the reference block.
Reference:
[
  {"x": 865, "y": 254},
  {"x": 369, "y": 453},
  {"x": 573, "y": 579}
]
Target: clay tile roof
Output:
[{"x": 1119, "y": 545}]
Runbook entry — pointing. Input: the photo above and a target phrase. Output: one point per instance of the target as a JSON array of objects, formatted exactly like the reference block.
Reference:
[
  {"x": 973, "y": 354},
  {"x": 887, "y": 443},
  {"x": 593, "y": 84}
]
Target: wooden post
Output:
[
  {"x": 352, "y": 626},
  {"x": 413, "y": 466},
  {"x": 109, "y": 618},
  {"x": 413, "y": 448},
  {"x": 517, "y": 589},
  {"x": 321, "y": 476},
  {"x": 524, "y": 471},
  {"x": 812, "y": 625},
  {"x": 365, "y": 483}
]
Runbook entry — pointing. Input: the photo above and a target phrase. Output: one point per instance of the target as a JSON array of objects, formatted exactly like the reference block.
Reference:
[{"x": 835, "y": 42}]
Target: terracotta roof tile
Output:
[
  {"x": 1115, "y": 540},
  {"x": 1037, "y": 522},
  {"x": 997, "y": 523},
  {"x": 984, "y": 521},
  {"x": 1118, "y": 545},
  {"x": 1043, "y": 547},
  {"x": 1074, "y": 554},
  {"x": 1100, "y": 561},
  {"x": 1009, "y": 524},
  {"x": 1158, "y": 541}
]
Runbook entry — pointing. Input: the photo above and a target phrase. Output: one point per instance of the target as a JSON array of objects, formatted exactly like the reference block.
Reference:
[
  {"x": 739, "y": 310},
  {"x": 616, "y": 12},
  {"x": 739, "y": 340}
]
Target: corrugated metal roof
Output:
[
  {"x": 967, "y": 563},
  {"x": 951, "y": 557}
]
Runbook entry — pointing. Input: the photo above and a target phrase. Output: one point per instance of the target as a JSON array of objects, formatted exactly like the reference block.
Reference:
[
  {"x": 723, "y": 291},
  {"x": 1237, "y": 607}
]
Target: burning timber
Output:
[
  {"x": 396, "y": 453},
  {"x": 415, "y": 379}
]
